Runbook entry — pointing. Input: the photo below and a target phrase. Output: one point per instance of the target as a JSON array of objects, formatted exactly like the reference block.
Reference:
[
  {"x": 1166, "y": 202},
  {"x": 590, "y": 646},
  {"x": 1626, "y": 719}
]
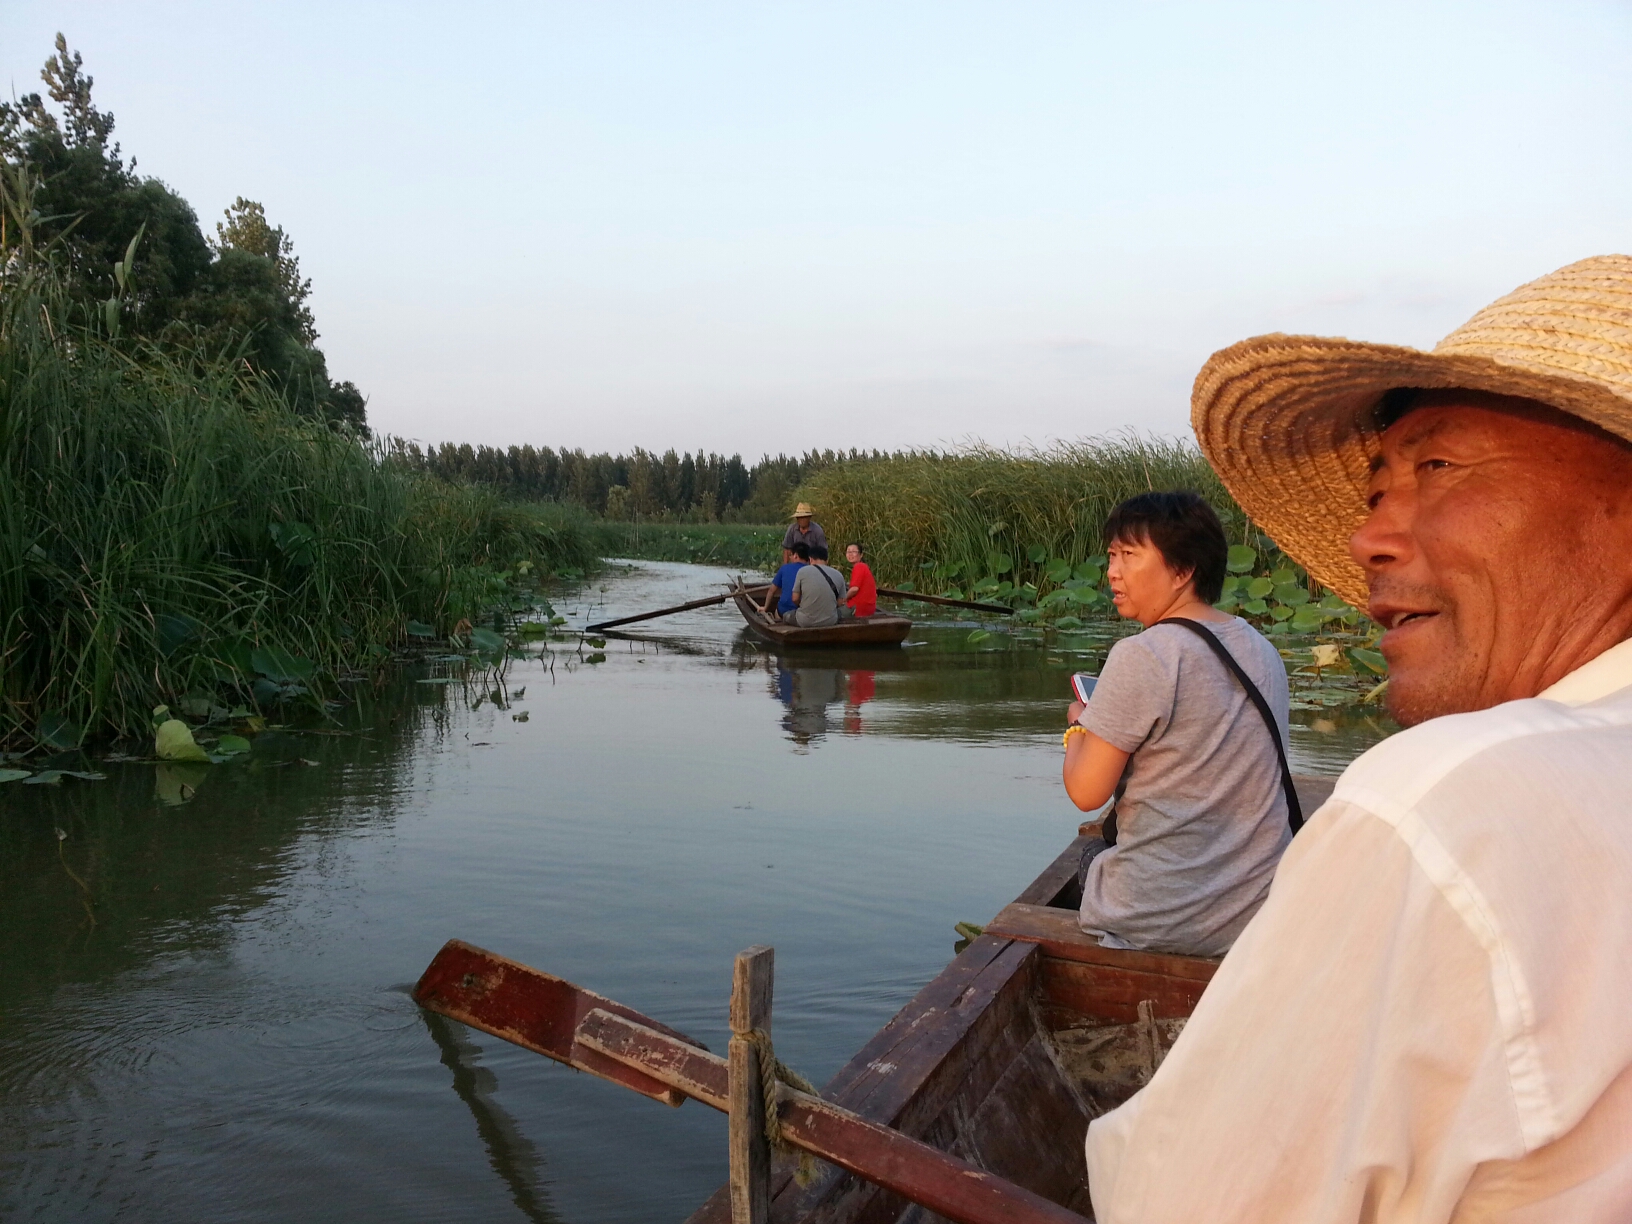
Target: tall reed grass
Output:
[
  {"x": 986, "y": 512},
  {"x": 164, "y": 516}
]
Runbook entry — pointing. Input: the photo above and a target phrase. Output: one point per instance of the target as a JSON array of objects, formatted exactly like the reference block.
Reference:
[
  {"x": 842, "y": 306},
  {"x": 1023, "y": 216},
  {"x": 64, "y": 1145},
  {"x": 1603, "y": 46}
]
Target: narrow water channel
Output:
[{"x": 216, "y": 1026}]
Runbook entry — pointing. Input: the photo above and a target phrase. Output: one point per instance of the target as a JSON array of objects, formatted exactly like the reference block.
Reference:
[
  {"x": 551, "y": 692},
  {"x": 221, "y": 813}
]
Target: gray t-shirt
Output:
[
  {"x": 1201, "y": 822},
  {"x": 820, "y": 589}
]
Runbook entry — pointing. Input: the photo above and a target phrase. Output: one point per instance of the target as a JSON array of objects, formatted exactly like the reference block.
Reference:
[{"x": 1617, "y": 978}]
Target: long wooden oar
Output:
[
  {"x": 950, "y": 603},
  {"x": 685, "y": 607},
  {"x": 555, "y": 1018}
]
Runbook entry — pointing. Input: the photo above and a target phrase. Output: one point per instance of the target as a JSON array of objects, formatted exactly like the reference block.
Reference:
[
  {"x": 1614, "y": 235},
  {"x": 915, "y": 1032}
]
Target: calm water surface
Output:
[{"x": 233, "y": 1039}]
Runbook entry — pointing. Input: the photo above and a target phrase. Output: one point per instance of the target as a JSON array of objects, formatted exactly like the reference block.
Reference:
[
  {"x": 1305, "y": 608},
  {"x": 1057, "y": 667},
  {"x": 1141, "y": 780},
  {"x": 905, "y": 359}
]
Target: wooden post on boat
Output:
[{"x": 751, "y": 980}]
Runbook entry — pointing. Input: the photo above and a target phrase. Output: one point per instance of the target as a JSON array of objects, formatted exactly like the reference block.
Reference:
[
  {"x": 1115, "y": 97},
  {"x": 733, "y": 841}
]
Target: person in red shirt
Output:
[{"x": 863, "y": 590}]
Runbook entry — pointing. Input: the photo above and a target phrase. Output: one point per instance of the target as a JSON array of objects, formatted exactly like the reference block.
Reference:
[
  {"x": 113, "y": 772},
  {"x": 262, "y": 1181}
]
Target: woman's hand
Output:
[{"x": 1074, "y": 713}]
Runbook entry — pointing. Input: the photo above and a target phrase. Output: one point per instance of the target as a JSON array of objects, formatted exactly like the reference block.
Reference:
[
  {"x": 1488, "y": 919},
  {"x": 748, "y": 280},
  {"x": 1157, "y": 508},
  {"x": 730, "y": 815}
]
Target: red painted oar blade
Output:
[{"x": 537, "y": 1011}]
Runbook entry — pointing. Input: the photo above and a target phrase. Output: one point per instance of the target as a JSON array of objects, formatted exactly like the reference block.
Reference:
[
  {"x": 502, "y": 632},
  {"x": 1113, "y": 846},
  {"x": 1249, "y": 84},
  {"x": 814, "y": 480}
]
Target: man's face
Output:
[
  {"x": 803, "y": 520},
  {"x": 1498, "y": 551}
]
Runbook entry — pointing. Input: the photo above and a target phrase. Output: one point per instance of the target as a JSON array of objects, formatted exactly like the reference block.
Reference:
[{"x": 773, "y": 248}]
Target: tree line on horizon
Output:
[{"x": 673, "y": 486}]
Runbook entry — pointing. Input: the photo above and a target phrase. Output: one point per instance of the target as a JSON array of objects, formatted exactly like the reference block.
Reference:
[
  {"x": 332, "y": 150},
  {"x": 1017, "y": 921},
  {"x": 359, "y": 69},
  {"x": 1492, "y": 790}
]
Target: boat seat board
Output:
[{"x": 1060, "y": 936}]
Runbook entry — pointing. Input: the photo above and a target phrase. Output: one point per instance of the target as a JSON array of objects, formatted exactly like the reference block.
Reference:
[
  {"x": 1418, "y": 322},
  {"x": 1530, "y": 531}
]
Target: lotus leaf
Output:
[
  {"x": 1307, "y": 619},
  {"x": 55, "y": 731},
  {"x": 14, "y": 775},
  {"x": 1037, "y": 554},
  {"x": 54, "y": 777},
  {"x": 177, "y": 630},
  {"x": 231, "y": 745},
  {"x": 1281, "y": 612},
  {"x": 1291, "y": 594},
  {"x": 1241, "y": 559},
  {"x": 1369, "y": 660},
  {"x": 1260, "y": 587},
  {"x": 486, "y": 641},
  {"x": 1068, "y": 622},
  {"x": 279, "y": 666},
  {"x": 997, "y": 563},
  {"x": 420, "y": 629},
  {"x": 597, "y": 657},
  {"x": 1256, "y": 607},
  {"x": 173, "y": 741}
]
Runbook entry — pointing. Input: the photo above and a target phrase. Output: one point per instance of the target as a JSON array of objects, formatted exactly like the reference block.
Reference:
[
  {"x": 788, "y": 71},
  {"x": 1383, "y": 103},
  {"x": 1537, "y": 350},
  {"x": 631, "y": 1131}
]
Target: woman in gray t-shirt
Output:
[{"x": 1201, "y": 817}]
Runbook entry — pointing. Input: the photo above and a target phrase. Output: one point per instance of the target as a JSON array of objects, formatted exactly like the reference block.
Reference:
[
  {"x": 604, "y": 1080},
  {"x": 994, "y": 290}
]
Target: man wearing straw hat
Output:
[
  {"x": 1430, "y": 1019},
  {"x": 804, "y": 529}
]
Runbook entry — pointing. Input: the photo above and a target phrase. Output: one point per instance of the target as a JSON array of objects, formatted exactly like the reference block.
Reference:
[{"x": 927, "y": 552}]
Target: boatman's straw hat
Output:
[
  {"x": 1288, "y": 421},
  {"x": 803, "y": 510}
]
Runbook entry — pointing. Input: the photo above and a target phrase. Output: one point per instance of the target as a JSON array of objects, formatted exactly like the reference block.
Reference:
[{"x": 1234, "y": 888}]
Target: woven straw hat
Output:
[
  {"x": 803, "y": 510},
  {"x": 1287, "y": 421}
]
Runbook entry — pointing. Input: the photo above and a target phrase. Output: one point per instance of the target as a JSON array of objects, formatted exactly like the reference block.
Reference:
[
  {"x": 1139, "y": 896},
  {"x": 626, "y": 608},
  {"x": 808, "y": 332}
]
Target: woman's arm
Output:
[{"x": 1092, "y": 766}]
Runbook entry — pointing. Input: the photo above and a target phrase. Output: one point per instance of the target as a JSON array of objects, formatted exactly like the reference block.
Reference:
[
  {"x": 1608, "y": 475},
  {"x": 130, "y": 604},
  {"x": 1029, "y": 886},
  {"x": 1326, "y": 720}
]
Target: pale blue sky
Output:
[{"x": 771, "y": 226}]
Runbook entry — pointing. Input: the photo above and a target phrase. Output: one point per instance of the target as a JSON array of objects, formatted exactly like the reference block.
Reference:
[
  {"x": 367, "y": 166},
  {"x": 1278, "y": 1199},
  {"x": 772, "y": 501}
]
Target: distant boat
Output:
[{"x": 880, "y": 629}]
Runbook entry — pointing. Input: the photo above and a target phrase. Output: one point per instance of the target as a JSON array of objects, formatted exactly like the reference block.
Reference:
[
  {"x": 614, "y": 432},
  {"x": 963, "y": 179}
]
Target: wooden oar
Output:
[
  {"x": 553, "y": 1017},
  {"x": 950, "y": 603},
  {"x": 685, "y": 607}
]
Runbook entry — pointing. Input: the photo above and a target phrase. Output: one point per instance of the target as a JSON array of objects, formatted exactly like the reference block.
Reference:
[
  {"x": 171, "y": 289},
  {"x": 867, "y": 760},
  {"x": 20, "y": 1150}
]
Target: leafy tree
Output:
[{"x": 242, "y": 294}]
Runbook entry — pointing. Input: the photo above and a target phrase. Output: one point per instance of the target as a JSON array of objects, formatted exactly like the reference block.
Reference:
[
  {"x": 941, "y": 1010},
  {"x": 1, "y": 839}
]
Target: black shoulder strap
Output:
[
  {"x": 838, "y": 592},
  {"x": 1294, "y": 810}
]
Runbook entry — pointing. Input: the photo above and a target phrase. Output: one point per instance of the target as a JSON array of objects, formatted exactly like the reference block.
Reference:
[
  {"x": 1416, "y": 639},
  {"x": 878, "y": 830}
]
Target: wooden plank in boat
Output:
[{"x": 1060, "y": 936}]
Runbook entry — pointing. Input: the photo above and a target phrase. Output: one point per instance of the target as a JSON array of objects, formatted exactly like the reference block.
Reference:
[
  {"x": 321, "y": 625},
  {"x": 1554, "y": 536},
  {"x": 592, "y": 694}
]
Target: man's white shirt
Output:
[{"x": 1430, "y": 1019}]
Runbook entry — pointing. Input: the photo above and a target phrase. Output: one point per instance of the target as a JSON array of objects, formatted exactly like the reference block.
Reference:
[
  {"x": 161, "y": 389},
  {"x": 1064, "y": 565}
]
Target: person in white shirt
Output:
[{"x": 1430, "y": 1019}]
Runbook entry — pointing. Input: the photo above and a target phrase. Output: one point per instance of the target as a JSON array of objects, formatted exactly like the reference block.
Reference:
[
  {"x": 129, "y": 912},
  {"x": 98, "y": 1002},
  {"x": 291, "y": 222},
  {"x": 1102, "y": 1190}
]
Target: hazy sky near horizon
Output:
[{"x": 765, "y": 227}]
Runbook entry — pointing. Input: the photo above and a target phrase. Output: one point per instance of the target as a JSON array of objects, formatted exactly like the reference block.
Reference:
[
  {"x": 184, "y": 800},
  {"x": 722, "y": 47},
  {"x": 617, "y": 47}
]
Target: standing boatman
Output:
[{"x": 804, "y": 529}]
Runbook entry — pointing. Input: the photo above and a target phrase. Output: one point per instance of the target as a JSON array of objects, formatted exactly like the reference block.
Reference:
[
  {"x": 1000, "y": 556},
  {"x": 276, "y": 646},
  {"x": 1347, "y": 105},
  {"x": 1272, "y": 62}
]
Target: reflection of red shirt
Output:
[
  {"x": 861, "y": 687},
  {"x": 865, "y": 600}
]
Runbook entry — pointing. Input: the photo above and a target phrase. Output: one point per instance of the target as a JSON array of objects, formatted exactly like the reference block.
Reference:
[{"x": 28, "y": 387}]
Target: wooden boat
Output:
[
  {"x": 975, "y": 1099},
  {"x": 880, "y": 629}
]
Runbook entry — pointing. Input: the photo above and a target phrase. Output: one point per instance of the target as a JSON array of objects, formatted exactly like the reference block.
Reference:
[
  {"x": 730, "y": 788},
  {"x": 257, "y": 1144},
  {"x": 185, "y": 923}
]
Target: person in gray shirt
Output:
[
  {"x": 819, "y": 590},
  {"x": 1201, "y": 818},
  {"x": 804, "y": 529}
]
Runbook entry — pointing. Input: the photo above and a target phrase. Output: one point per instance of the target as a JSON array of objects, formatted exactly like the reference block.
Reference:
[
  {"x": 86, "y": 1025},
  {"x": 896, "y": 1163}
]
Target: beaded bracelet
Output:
[{"x": 1074, "y": 728}]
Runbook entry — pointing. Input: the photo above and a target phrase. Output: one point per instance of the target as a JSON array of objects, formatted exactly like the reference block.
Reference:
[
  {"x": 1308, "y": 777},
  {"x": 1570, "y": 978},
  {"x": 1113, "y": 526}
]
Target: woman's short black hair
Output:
[{"x": 1184, "y": 529}]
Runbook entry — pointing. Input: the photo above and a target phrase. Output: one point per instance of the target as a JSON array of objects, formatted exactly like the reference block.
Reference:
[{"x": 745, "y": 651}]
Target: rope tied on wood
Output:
[{"x": 771, "y": 1071}]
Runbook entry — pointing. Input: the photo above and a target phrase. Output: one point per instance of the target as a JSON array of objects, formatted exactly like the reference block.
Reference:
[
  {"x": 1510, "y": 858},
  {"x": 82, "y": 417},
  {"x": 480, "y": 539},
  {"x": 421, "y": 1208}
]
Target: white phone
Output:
[{"x": 1082, "y": 684}]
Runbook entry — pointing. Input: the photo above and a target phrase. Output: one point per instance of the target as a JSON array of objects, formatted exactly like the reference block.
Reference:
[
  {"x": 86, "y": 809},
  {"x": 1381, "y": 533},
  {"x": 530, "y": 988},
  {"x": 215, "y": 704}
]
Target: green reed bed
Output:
[
  {"x": 171, "y": 532},
  {"x": 982, "y": 511},
  {"x": 1023, "y": 529}
]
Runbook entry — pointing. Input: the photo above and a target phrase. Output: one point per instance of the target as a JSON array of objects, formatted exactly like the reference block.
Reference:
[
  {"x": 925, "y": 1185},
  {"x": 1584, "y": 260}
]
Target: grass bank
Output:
[
  {"x": 171, "y": 532},
  {"x": 737, "y": 545}
]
